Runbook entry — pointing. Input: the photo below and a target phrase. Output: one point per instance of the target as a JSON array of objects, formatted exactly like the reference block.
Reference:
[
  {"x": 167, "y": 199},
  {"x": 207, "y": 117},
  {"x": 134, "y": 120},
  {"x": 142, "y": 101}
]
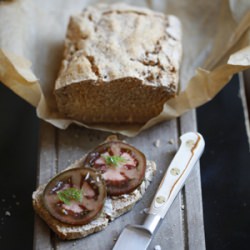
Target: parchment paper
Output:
[{"x": 216, "y": 45}]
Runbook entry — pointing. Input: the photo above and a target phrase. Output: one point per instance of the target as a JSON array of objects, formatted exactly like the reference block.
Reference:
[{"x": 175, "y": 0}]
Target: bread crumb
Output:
[
  {"x": 157, "y": 247},
  {"x": 17, "y": 203},
  {"x": 7, "y": 213},
  {"x": 3, "y": 200},
  {"x": 157, "y": 143},
  {"x": 144, "y": 210},
  {"x": 171, "y": 141}
]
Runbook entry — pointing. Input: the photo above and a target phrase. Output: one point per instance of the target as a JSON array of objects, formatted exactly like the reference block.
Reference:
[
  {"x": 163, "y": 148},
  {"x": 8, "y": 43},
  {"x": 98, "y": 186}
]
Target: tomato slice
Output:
[
  {"x": 122, "y": 166},
  {"x": 75, "y": 196}
]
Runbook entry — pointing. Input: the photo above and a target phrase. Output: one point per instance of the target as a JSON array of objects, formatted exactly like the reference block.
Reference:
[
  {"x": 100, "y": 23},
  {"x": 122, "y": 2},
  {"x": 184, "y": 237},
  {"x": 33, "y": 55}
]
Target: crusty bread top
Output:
[{"x": 109, "y": 42}]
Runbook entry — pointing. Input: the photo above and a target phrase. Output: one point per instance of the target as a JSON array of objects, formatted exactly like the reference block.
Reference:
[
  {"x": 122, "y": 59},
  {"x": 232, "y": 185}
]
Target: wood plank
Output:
[
  {"x": 170, "y": 233},
  {"x": 46, "y": 169},
  {"x": 192, "y": 195}
]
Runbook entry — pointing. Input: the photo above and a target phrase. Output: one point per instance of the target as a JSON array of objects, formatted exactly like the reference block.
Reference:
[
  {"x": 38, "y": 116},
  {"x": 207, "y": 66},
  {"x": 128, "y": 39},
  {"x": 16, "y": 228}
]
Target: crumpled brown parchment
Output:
[{"x": 216, "y": 45}]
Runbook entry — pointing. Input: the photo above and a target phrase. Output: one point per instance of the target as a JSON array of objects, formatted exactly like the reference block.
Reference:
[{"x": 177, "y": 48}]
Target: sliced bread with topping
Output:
[{"x": 113, "y": 208}]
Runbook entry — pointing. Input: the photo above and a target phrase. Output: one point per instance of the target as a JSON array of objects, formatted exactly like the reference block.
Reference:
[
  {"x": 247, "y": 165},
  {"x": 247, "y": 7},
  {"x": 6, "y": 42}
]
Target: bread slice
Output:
[
  {"x": 121, "y": 64},
  {"x": 113, "y": 208}
]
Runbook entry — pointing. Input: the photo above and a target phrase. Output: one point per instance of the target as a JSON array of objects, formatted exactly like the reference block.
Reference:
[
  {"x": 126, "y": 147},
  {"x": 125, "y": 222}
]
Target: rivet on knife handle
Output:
[{"x": 191, "y": 148}]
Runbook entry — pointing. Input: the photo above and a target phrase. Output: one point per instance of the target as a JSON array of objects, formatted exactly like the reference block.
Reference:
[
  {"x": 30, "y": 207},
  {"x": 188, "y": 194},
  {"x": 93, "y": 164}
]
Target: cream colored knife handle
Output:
[{"x": 191, "y": 148}]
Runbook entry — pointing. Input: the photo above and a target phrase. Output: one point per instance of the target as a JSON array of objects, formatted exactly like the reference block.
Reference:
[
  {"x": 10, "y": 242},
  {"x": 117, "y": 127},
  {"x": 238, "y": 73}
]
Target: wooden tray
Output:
[{"x": 182, "y": 227}]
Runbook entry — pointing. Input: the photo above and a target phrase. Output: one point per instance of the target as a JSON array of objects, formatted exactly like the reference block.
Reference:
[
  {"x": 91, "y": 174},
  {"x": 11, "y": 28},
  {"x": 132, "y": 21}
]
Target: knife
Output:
[{"x": 138, "y": 237}]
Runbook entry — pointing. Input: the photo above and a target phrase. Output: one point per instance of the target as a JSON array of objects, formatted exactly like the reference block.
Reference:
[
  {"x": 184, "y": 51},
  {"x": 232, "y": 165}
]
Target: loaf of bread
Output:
[
  {"x": 113, "y": 208},
  {"x": 121, "y": 64}
]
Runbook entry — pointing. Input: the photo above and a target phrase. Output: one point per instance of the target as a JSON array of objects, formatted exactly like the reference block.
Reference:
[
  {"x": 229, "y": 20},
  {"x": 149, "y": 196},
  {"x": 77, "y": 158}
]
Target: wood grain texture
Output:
[
  {"x": 192, "y": 198},
  {"x": 182, "y": 228},
  {"x": 47, "y": 169}
]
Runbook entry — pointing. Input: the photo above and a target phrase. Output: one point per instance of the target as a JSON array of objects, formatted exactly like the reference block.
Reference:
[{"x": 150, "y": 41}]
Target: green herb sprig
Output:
[
  {"x": 113, "y": 160},
  {"x": 69, "y": 194}
]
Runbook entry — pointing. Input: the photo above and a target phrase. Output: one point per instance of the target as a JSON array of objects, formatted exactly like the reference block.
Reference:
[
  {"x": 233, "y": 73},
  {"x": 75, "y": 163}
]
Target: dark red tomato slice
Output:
[
  {"x": 75, "y": 196},
  {"x": 121, "y": 165}
]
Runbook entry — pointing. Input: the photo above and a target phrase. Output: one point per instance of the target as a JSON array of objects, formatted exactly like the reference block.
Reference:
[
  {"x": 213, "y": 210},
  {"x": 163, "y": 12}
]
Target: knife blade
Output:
[{"x": 138, "y": 237}]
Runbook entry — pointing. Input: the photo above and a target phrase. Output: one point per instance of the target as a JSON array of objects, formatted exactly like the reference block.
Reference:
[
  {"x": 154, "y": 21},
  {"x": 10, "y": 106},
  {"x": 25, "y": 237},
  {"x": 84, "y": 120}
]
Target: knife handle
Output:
[{"x": 191, "y": 148}]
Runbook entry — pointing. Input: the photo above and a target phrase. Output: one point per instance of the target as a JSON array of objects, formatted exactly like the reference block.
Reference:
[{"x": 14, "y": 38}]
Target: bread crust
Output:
[
  {"x": 113, "y": 208},
  {"x": 121, "y": 64}
]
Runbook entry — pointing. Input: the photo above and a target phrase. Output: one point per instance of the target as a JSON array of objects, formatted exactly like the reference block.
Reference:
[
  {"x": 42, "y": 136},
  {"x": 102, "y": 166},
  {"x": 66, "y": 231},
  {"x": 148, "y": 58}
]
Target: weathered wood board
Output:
[{"x": 182, "y": 227}]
